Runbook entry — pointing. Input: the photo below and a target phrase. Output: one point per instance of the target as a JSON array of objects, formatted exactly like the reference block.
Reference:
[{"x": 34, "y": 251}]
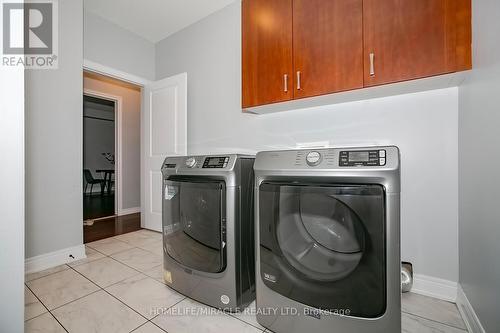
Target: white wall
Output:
[
  {"x": 423, "y": 125},
  {"x": 12, "y": 200},
  {"x": 108, "y": 44},
  {"x": 54, "y": 103},
  {"x": 131, "y": 135},
  {"x": 479, "y": 165}
]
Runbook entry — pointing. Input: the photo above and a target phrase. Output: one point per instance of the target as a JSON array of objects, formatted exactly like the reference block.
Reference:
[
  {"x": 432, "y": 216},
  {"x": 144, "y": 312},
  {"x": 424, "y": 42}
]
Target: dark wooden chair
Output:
[{"x": 90, "y": 180}]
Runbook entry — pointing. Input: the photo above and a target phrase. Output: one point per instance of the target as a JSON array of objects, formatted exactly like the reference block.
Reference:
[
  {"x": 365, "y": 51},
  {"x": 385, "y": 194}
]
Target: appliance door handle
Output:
[
  {"x": 285, "y": 82},
  {"x": 372, "y": 64},
  {"x": 298, "y": 80}
]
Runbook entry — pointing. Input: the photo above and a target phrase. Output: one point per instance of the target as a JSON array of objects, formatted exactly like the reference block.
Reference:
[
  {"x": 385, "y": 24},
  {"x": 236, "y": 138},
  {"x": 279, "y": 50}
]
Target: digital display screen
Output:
[
  {"x": 215, "y": 161},
  {"x": 359, "y": 156}
]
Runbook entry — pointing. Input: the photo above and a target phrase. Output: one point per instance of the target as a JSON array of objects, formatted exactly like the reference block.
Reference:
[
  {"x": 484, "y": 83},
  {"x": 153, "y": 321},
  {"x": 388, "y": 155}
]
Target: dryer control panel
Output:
[
  {"x": 215, "y": 162},
  {"x": 350, "y": 158}
]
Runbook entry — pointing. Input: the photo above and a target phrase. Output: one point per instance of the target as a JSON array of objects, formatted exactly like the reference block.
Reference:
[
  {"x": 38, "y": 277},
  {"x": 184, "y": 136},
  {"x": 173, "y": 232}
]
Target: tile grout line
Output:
[
  {"x": 102, "y": 289},
  {"x": 151, "y": 320},
  {"x": 107, "y": 255},
  {"x": 99, "y": 287},
  {"x": 46, "y": 308},
  {"x": 49, "y": 310},
  {"x": 41, "y": 277},
  {"x": 40, "y": 303},
  {"x": 140, "y": 272},
  {"x": 435, "y": 321},
  {"x": 76, "y": 299},
  {"x": 53, "y": 316},
  {"x": 137, "y": 271},
  {"x": 184, "y": 297},
  {"x": 244, "y": 321},
  {"x": 128, "y": 306},
  {"x": 113, "y": 238},
  {"x": 135, "y": 329},
  {"x": 112, "y": 254},
  {"x": 118, "y": 261}
]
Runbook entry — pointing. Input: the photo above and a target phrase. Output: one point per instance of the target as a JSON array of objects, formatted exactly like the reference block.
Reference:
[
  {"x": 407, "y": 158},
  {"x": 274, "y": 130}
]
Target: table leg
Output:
[
  {"x": 103, "y": 184},
  {"x": 109, "y": 184}
]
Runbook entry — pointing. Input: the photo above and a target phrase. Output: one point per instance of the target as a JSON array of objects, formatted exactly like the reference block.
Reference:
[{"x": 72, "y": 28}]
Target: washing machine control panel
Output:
[
  {"x": 353, "y": 158},
  {"x": 217, "y": 162}
]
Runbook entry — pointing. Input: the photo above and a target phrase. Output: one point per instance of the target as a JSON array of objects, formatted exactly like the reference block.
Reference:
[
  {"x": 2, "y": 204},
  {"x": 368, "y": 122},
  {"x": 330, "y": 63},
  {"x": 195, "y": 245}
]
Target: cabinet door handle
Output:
[
  {"x": 285, "y": 82},
  {"x": 372, "y": 64},
  {"x": 298, "y": 80}
]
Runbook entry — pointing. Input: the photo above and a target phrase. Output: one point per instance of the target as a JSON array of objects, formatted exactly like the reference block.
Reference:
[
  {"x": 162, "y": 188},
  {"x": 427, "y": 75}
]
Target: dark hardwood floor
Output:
[
  {"x": 109, "y": 227},
  {"x": 97, "y": 205}
]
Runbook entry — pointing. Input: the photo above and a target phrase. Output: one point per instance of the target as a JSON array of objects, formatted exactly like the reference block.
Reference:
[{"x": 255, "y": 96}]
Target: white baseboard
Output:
[
  {"x": 435, "y": 287},
  {"x": 56, "y": 258},
  {"x": 127, "y": 211},
  {"x": 468, "y": 314}
]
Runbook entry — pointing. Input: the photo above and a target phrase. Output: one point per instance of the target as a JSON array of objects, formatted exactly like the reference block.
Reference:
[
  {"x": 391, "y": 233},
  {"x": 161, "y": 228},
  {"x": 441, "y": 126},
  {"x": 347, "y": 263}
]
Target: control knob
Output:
[
  {"x": 191, "y": 162},
  {"x": 313, "y": 158}
]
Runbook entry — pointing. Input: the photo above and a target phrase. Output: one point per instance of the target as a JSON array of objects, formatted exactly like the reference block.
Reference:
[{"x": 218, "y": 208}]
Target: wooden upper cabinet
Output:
[
  {"x": 293, "y": 49},
  {"x": 327, "y": 46},
  {"x": 410, "y": 39},
  {"x": 267, "y": 63}
]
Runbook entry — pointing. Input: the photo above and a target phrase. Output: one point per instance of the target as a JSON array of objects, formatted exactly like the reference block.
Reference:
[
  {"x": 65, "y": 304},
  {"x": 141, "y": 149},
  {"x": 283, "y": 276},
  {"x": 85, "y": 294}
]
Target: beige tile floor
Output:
[{"x": 119, "y": 288}]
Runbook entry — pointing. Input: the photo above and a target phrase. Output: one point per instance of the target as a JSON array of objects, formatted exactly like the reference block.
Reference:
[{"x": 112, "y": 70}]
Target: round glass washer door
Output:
[{"x": 319, "y": 235}]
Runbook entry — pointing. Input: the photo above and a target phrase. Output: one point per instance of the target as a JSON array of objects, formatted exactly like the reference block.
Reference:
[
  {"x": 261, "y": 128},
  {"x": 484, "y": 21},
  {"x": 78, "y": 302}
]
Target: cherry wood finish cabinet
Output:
[
  {"x": 293, "y": 49},
  {"x": 412, "y": 39},
  {"x": 327, "y": 46},
  {"x": 267, "y": 60}
]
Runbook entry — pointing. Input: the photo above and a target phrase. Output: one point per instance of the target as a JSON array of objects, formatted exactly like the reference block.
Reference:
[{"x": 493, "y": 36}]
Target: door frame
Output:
[
  {"x": 94, "y": 67},
  {"x": 118, "y": 143}
]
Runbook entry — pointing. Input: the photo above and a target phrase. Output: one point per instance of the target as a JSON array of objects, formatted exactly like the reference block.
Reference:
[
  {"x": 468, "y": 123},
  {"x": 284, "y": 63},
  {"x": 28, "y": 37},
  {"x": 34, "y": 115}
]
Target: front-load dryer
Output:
[
  {"x": 328, "y": 240},
  {"x": 208, "y": 229}
]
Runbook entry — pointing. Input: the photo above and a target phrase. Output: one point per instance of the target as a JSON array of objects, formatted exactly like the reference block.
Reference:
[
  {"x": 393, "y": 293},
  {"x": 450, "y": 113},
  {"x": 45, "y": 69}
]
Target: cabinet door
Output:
[
  {"x": 408, "y": 39},
  {"x": 327, "y": 46},
  {"x": 266, "y": 51}
]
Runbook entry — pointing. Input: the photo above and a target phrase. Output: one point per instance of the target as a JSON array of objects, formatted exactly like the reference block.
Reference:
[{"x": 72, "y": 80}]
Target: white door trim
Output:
[
  {"x": 118, "y": 144},
  {"x": 95, "y": 67}
]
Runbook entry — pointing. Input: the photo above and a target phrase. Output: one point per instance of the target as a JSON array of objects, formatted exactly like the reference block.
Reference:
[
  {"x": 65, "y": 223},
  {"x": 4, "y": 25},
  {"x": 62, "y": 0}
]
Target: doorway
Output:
[
  {"x": 111, "y": 170},
  {"x": 99, "y": 157}
]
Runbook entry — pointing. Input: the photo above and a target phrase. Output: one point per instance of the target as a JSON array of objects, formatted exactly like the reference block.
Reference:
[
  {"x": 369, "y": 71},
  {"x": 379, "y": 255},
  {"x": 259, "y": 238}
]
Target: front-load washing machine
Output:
[
  {"x": 328, "y": 240},
  {"x": 208, "y": 229}
]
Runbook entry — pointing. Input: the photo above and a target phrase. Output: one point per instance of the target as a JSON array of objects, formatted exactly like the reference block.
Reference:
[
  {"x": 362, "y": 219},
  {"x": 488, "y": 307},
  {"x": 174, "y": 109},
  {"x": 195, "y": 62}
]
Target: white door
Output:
[{"x": 164, "y": 133}]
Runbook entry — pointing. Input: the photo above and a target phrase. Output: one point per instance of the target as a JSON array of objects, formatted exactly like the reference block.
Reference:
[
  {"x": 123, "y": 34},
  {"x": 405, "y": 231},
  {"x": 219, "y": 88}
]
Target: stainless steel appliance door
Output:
[
  {"x": 194, "y": 223},
  {"x": 324, "y": 245}
]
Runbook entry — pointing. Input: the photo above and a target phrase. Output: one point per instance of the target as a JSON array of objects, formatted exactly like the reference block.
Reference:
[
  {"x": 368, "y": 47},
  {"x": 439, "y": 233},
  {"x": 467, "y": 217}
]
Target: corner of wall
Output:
[{"x": 468, "y": 314}]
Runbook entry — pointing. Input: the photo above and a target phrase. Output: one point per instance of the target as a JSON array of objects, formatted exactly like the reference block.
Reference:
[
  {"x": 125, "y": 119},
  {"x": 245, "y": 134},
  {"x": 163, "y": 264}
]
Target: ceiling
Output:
[{"x": 154, "y": 19}]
